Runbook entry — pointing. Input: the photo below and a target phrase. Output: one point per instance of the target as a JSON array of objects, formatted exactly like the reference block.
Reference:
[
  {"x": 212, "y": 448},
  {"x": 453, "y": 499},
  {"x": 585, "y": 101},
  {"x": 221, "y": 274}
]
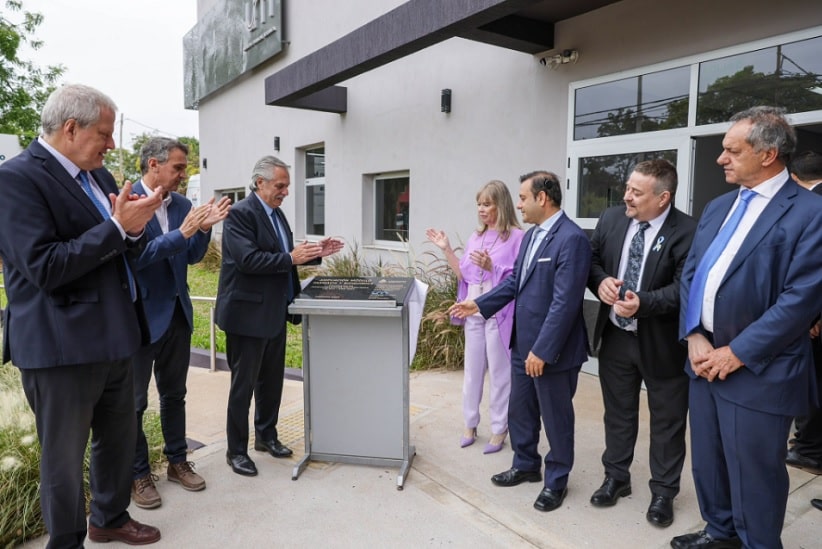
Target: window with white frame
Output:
[
  {"x": 315, "y": 191},
  {"x": 391, "y": 207},
  {"x": 659, "y": 112},
  {"x": 234, "y": 194}
]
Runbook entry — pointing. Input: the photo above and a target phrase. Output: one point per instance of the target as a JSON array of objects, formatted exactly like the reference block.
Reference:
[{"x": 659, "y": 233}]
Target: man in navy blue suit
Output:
[
  {"x": 750, "y": 289},
  {"x": 74, "y": 318},
  {"x": 177, "y": 236},
  {"x": 549, "y": 342}
]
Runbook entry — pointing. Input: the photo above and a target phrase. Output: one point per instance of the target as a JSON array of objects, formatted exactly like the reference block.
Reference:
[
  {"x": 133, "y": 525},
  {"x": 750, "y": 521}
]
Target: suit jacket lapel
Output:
[
  {"x": 663, "y": 236},
  {"x": 59, "y": 173},
  {"x": 153, "y": 226},
  {"x": 541, "y": 248},
  {"x": 776, "y": 208},
  {"x": 712, "y": 224},
  {"x": 264, "y": 219},
  {"x": 285, "y": 227},
  {"x": 615, "y": 248}
]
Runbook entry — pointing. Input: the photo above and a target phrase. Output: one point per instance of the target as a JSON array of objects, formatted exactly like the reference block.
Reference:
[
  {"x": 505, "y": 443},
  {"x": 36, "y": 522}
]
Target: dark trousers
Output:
[
  {"x": 621, "y": 373},
  {"x": 68, "y": 402},
  {"x": 257, "y": 368},
  {"x": 808, "y": 440},
  {"x": 738, "y": 460},
  {"x": 169, "y": 358},
  {"x": 549, "y": 397}
]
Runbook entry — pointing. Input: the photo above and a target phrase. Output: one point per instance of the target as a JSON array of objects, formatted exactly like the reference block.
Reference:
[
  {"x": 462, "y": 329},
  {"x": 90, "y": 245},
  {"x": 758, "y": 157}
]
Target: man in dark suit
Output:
[
  {"x": 638, "y": 253},
  {"x": 806, "y": 452},
  {"x": 74, "y": 320},
  {"x": 549, "y": 341},
  {"x": 750, "y": 289},
  {"x": 258, "y": 279},
  {"x": 177, "y": 236}
]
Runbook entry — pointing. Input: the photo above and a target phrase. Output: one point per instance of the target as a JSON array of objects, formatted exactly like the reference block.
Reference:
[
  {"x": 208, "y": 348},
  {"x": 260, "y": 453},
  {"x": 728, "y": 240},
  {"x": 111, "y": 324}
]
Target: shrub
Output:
[
  {"x": 440, "y": 344},
  {"x": 20, "y": 517}
]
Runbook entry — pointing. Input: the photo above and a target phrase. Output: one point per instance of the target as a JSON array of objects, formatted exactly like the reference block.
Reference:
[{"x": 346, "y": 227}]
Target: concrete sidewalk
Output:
[{"x": 448, "y": 499}]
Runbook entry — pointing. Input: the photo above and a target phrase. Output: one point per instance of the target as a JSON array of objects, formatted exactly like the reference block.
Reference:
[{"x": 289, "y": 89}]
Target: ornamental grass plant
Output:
[{"x": 20, "y": 517}]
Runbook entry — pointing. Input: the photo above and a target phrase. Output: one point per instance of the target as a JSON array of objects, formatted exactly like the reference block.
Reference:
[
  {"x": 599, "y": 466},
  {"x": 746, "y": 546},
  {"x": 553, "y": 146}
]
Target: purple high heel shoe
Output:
[
  {"x": 468, "y": 441},
  {"x": 492, "y": 448}
]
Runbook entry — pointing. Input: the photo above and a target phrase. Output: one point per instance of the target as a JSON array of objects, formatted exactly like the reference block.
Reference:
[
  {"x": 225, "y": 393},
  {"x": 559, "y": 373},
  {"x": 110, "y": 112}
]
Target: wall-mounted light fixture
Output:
[
  {"x": 554, "y": 61},
  {"x": 277, "y": 143},
  {"x": 205, "y": 163},
  {"x": 445, "y": 100}
]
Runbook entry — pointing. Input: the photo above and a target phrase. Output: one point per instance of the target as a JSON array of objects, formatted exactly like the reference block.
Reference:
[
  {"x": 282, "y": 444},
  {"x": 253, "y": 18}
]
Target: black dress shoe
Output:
[
  {"x": 704, "y": 540},
  {"x": 273, "y": 447},
  {"x": 241, "y": 464},
  {"x": 610, "y": 491},
  {"x": 661, "y": 511},
  {"x": 514, "y": 476},
  {"x": 548, "y": 499},
  {"x": 817, "y": 503},
  {"x": 795, "y": 459}
]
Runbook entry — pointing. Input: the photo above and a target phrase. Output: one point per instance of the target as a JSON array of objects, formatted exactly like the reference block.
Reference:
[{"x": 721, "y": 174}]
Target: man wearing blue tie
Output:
[
  {"x": 74, "y": 318},
  {"x": 549, "y": 342},
  {"x": 750, "y": 289},
  {"x": 177, "y": 236},
  {"x": 258, "y": 280}
]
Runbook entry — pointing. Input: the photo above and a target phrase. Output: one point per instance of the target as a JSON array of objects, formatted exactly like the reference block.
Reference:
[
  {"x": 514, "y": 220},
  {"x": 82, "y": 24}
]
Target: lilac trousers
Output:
[{"x": 484, "y": 350}]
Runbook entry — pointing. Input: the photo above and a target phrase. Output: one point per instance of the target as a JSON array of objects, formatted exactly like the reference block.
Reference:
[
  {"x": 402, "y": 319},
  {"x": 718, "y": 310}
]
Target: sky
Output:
[{"x": 131, "y": 50}]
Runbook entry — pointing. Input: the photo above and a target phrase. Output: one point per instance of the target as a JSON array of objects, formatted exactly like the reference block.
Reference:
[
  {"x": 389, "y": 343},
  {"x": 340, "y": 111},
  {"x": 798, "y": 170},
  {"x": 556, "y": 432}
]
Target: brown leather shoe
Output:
[
  {"x": 131, "y": 533},
  {"x": 184, "y": 474},
  {"x": 144, "y": 493}
]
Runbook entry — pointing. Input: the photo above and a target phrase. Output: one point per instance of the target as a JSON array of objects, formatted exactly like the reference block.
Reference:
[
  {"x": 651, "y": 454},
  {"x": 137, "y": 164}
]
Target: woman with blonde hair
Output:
[{"x": 488, "y": 259}]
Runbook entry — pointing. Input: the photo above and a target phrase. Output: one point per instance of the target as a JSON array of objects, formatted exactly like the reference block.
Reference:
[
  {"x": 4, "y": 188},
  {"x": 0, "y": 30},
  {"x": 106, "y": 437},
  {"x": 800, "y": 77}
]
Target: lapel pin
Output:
[{"x": 658, "y": 245}]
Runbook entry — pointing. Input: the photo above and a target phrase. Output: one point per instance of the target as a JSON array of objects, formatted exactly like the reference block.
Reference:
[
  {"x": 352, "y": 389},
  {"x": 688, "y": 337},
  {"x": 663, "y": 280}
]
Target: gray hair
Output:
[
  {"x": 74, "y": 101},
  {"x": 264, "y": 168},
  {"x": 770, "y": 130},
  {"x": 159, "y": 148}
]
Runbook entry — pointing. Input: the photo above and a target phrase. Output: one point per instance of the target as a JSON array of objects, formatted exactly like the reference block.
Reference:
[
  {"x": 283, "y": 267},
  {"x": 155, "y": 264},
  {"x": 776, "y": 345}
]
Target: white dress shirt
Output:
[
  {"x": 650, "y": 240},
  {"x": 765, "y": 191}
]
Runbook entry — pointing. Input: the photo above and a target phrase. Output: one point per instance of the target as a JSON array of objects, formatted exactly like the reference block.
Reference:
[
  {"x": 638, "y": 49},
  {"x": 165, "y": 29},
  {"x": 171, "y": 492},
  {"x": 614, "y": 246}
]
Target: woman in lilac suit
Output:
[{"x": 489, "y": 258}]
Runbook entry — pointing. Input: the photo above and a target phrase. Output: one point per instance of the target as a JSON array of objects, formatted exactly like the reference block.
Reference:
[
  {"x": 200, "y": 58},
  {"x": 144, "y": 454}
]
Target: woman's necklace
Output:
[{"x": 482, "y": 247}]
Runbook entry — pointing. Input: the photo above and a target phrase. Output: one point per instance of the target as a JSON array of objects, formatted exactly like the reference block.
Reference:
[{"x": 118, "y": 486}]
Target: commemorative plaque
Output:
[{"x": 376, "y": 288}]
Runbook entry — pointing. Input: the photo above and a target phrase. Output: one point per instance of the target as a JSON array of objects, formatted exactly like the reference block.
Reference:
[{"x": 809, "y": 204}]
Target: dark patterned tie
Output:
[{"x": 635, "y": 253}]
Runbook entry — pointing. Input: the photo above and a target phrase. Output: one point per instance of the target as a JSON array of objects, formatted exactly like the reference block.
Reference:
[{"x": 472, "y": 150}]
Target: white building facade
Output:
[{"x": 587, "y": 91}]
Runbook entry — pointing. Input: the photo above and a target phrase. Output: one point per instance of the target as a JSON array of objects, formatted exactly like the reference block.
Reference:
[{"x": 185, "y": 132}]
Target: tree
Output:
[
  {"x": 24, "y": 87},
  {"x": 130, "y": 169}
]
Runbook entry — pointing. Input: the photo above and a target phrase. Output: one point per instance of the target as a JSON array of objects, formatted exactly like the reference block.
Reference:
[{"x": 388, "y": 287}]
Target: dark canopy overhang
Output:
[{"x": 521, "y": 25}]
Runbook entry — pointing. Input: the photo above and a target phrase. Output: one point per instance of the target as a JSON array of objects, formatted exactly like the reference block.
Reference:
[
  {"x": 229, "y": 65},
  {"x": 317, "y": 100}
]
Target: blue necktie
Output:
[
  {"x": 278, "y": 228},
  {"x": 529, "y": 253},
  {"x": 693, "y": 316},
  {"x": 631, "y": 279},
  {"x": 86, "y": 184}
]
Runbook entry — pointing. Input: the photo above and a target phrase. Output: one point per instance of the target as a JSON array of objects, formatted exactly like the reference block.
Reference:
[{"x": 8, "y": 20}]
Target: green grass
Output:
[{"x": 202, "y": 282}]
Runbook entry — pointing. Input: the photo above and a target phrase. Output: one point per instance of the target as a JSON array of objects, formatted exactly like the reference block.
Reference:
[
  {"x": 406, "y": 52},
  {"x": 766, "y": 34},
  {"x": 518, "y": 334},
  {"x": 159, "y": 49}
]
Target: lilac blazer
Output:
[{"x": 503, "y": 255}]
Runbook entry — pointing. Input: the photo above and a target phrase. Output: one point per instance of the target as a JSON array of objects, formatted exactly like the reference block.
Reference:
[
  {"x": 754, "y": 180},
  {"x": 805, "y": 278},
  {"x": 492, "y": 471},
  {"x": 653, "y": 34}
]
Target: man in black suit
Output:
[
  {"x": 74, "y": 319},
  {"x": 638, "y": 253},
  {"x": 258, "y": 280},
  {"x": 806, "y": 452}
]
